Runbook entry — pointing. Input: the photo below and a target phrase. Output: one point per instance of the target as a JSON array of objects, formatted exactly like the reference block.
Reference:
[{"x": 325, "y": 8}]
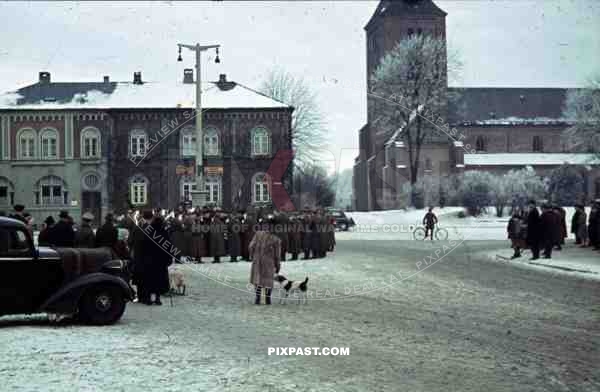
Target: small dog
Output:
[
  {"x": 291, "y": 286},
  {"x": 177, "y": 281}
]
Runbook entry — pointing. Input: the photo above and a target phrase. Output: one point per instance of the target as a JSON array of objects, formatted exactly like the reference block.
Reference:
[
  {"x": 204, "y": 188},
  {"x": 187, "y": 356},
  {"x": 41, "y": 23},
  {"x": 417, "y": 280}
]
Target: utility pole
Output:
[{"x": 199, "y": 194}]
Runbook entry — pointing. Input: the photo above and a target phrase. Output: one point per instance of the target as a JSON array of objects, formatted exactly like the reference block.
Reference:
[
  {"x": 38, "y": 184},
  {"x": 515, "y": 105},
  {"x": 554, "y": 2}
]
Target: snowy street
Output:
[{"x": 464, "y": 320}]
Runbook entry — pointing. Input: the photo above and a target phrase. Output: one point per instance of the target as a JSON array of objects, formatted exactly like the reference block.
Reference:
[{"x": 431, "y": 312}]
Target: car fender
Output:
[{"x": 67, "y": 298}]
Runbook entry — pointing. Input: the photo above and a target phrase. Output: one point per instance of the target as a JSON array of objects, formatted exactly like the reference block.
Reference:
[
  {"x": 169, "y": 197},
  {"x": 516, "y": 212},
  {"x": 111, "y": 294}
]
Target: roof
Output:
[
  {"x": 405, "y": 8},
  {"x": 506, "y": 105},
  {"x": 128, "y": 95},
  {"x": 529, "y": 159},
  {"x": 10, "y": 222}
]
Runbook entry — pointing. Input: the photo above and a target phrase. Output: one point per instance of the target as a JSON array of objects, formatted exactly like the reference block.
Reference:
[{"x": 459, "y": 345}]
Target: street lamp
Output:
[{"x": 199, "y": 195}]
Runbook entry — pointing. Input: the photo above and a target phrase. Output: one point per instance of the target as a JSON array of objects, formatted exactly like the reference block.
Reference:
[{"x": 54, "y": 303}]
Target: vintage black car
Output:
[
  {"x": 90, "y": 284},
  {"x": 342, "y": 222}
]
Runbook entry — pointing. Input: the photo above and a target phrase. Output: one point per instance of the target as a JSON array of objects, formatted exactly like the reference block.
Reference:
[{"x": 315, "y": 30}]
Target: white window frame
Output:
[
  {"x": 211, "y": 142},
  {"x": 49, "y": 143},
  {"x": 213, "y": 185},
  {"x": 138, "y": 190},
  {"x": 188, "y": 142},
  {"x": 141, "y": 139},
  {"x": 187, "y": 186},
  {"x": 261, "y": 141},
  {"x": 52, "y": 183},
  {"x": 91, "y": 135},
  {"x": 263, "y": 193},
  {"x": 28, "y": 135}
]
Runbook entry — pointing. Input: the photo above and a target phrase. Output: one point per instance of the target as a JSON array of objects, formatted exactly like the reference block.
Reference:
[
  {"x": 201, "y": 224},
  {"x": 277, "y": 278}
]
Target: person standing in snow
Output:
[
  {"x": 550, "y": 228},
  {"x": 581, "y": 226},
  {"x": 593, "y": 226},
  {"x": 533, "y": 230},
  {"x": 430, "y": 220},
  {"x": 515, "y": 229},
  {"x": 265, "y": 251}
]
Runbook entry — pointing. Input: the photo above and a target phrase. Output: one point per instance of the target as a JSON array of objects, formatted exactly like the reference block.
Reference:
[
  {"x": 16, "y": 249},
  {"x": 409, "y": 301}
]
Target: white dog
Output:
[
  {"x": 290, "y": 286},
  {"x": 177, "y": 280}
]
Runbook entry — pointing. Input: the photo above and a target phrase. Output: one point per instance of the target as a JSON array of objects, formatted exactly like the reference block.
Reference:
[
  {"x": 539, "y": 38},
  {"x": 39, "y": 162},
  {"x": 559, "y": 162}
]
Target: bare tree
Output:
[
  {"x": 582, "y": 108},
  {"x": 409, "y": 93},
  {"x": 308, "y": 124}
]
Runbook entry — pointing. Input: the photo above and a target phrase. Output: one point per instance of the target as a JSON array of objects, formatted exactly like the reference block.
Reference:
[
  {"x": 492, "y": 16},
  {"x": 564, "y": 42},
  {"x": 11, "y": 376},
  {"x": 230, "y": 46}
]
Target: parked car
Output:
[
  {"x": 342, "y": 222},
  {"x": 90, "y": 284}
]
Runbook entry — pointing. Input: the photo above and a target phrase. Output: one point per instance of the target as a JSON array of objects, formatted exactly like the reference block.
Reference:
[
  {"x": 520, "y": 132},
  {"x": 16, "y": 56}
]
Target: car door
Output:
[{"x": 25, "y": 281}]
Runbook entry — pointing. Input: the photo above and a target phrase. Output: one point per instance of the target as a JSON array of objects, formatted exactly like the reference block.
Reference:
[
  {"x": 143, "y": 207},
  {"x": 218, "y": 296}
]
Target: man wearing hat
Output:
[
  {"x": 549, "y": 229},
  {"x": 85, "y": 237},
  {"x": 107, "y": 235},
  {"x": 62, "y": 234},
  {"x": 533, "y": 230},
  {"x": 18, "y": 214}
]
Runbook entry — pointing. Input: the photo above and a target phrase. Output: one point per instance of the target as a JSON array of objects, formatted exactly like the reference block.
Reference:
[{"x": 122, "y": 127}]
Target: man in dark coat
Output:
[
  {"x": 575, "y": 224},
  {"x": 533, "y": 230},
  {"x": 18, "y": 213},
  {"x": 306, "y": 235},
  {"x": 294, "y": 237},
  {"x": 593, "y": 226},
  {"x": 85, "y": 238},
  {"x": 315, "y": 236},
  {"x": 139, "y": 253},
  {"x": 233, "y": 235},
  {"x": 107, "y": 235},
  {"x": 217, "y": 238},
  {"x": 550, "y": 229},
  {"x": 62, "y": 234},
  {"x": 280, "y": 230},
  {"x": 153, "y": 271},
  {"x": 562, "y": 225}
]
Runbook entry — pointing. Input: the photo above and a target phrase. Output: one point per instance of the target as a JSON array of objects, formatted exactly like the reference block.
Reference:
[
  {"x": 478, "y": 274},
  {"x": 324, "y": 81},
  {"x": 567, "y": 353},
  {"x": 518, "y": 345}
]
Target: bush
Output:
[{"x": 476, "y": 191}]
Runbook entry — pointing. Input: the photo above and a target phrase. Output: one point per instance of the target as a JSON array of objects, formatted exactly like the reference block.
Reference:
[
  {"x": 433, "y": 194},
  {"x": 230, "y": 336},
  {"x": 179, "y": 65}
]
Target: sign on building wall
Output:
[
  {"x": 213, "y": 170},
  {"x": 182, "y": 170}
]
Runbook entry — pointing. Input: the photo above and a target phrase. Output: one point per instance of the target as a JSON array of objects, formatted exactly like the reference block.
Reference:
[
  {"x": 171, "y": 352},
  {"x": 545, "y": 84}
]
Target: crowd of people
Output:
[
  {"x": 193, "y": 235},
  {"x": 547, "y": 231}
]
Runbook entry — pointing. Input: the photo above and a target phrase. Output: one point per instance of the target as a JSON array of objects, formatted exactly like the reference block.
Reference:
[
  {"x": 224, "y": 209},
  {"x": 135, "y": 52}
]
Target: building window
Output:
[
  {"x": 7, "y": 194},
  {"x": 261, "y": 143},
  {"x": 137, "y": 143},
  {"x": 212, "y": 185},
  {"x": 428, "y": 165},
  {"x": 211, "y": 142},
  {"x": 138, "y": 190},
  {"x": 187, "y": 187},
  {"x": 538, "y": 144},
  {"x": 480, "y": 144},
  {"x": 26, "y": 144},
  {"x": 90, "y": 143},
  {"x": 51, "y": 191},
  {"x": 188, "y": 142},
  {"x": 260, "y": 187},
  {"x": 49, "y": 144}
]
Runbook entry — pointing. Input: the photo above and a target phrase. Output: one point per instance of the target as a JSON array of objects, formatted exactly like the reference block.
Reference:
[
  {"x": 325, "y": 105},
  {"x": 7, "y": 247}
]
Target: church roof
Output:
[
  {"x": 506, "y": 105},
  {"x": 405, "y": 8}
]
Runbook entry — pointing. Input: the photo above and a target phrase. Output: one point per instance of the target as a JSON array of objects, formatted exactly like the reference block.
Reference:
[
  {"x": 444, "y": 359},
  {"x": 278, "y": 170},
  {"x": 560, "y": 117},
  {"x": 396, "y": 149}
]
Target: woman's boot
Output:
[
  {"x": 268, "y": 299},
  {"x": 258, "y": 292}
]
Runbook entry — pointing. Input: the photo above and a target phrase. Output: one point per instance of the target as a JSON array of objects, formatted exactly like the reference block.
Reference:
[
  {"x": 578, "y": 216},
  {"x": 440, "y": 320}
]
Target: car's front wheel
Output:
[{"x": 102, "y": 305}]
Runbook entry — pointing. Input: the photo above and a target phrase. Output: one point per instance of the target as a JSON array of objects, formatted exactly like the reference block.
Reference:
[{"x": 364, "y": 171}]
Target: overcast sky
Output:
[{"x": 501, "y": 43}]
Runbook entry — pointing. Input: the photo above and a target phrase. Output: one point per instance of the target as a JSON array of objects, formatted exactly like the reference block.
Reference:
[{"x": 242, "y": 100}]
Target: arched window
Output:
[
  {"x": 26, "y": 146},
  {"x": 49, "y": 142},
  {"x": 538, "y": 144},
  {"x": 138, "y": 190},
  {"x": 90, "y": 143},
  {"x": 211, "y": 142},
  {"x": 137, "y": 143},
  {"x": 7, "y": 192},
  {"x": 51, "y": 191},
  {"x": 188, "y": 184},
  {"x": 261, "y": 141},
  {"x": 480, "y": 143},
  {"x": 188, "y": 142},
  {"x": 212, "y": 185},
  {"x": 260, "y": 188}
]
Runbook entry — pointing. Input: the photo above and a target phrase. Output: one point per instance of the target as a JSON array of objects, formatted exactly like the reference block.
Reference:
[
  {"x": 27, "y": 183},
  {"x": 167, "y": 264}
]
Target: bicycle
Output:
[{"x": 440, "y": 234}]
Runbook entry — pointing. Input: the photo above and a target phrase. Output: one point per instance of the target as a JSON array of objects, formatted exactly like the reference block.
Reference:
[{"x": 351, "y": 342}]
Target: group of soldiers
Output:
[
  {"x": 216, "y": 233},
  {"x": 547, "y": 231}
]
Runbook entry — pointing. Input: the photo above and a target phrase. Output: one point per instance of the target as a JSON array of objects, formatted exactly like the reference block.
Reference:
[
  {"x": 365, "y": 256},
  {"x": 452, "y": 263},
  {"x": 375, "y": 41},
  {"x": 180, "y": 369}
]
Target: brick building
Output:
[
  {"x": 103, "y": 146},
  {"x": 500, "y": 128}
]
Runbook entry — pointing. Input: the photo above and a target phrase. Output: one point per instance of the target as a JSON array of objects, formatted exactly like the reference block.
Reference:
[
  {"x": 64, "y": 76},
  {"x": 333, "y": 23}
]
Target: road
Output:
[{"x": 412, "y": 319}]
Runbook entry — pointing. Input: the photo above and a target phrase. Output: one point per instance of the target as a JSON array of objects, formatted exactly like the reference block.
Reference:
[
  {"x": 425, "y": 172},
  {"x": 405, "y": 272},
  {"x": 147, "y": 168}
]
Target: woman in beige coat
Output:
[{"x": 265, "y": 251}]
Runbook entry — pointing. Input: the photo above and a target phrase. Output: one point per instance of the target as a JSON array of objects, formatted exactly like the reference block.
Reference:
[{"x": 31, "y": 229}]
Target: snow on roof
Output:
[
  {"x": 517, "y": 121},
  {"x": 525, "y": 159},
  {"x": 127, "y": 95}
]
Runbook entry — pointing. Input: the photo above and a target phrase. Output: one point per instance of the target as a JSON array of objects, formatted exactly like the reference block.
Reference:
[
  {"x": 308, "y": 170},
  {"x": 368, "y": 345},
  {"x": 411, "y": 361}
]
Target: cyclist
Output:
[{"x": 430, "y": 220}]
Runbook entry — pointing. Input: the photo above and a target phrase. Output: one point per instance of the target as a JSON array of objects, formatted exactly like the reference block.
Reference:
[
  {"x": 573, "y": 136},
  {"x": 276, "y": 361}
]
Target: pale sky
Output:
[{"x": 507, "y": 43}]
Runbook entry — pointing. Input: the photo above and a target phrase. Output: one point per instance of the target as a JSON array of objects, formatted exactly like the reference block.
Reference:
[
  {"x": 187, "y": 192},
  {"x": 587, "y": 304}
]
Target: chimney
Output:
[
  {"x": 188, "y": 76},
  {"x": 106, "y": 79},
  {"x": 137, "y": 78},
  {"x": 44, "y": 77}
]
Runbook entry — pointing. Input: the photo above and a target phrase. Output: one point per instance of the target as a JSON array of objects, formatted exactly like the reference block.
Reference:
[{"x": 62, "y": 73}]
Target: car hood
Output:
[{"x": 46, "y": 252}]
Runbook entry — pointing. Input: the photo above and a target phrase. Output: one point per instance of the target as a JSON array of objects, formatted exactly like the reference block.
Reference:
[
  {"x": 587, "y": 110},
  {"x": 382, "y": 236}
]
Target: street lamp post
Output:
[{"x": 199, "y": 194}]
